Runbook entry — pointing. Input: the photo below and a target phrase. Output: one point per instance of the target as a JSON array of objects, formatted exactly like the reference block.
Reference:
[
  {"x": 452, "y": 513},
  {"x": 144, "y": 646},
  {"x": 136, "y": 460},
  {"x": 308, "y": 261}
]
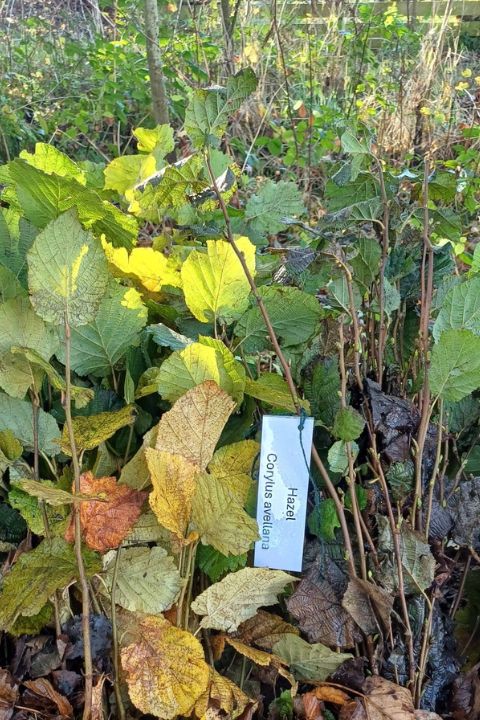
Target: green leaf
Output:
[
  {"x": 166, "y": 337},
  {"x": 417, "y": 560},
  {"x": 34, "y": 624},
  {"x": 266, "y": 209},
  {"x": 53, "y": 162},
  {"x": 348, "y": 424},
  {"x": 366, "y": 263},
  {"x": 44, "y": 197},
  {"x": 97, "y": 347},
  {"x": 68, "y": 272},
  {"x": 350, "y": 144},
  {"x": 36, "y": 575},
  {"x": 215, "y": 565},
  {"x": 460, "y": 309},
  {"x": 81, "y": 395},
  {"x": 15, "y": 240},
  {"x": 455, "y": 365},
  {"x": 16, "y": 416},
  {"x": 293, "y": 314},
  {"x": 215, "y": 285},
  {"x": 50, "y": 494},
  {"x": 323, "y": 520},
  {"x": 208, "y": 110},
  {"x": 206, "y": 360},
  {"x": 273, "y": 390},
  {"x": 338, "y": 458},
  {"x": 29, "y": 508},
  {"x": 10, "y": 287},
  {"x": 147, "y": 580},
  {"x": 308, "y": 662},
  {"x": 322, "y": 391},
  {"x": 90, "y": 431}
]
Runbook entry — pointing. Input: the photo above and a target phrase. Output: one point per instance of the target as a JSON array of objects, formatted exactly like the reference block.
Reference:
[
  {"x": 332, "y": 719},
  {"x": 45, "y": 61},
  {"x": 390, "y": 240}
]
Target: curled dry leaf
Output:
[
  {"x": 223, "y": 693},
  {"x": 8, "y": 694},
  {"x": 193, "y": 426},
  {"x": 369, "y": 605},
  {"x": 105, "y": 524},
  {"x": 174, "y": 481},
  {"x": 44, "y": 689},
  {"x": 165, "y": 669},
  {"x": 331, "y": 694},
  {"x": 264, "y": 630}
]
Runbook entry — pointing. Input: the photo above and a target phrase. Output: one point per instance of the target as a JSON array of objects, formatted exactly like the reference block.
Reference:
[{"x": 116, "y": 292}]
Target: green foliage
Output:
[{"x": 455, "y": 365}]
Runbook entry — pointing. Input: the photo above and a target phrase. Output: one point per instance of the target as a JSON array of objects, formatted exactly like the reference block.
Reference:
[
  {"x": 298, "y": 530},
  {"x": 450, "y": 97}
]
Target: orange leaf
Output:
[
  {"x": 105, "y": 524},
  {"x": 330, "y": 694}
]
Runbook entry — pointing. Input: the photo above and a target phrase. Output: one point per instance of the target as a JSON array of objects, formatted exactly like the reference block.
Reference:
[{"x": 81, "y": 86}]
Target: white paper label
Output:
[{"x": 283, "y": 491}]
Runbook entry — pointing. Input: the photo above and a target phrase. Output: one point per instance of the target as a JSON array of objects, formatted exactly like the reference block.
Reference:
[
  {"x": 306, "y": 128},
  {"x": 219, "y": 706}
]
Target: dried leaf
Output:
[
  {"x": 43, "y": 688},
  {"x": 384, "y": 701},
  {"x": 165, "y": 669},
  {"x": 8, "y": 694},
  {"x": 366, "y": 602},
  {"x": 259, "y": 657},
  {"x": 319, "y": 612},
  {"x": 238, "y": 596},
  {"x": 330, "y": 694},
  {"x": 174, "y": 481},
  {"x": 220, "y": 519},
  {"x": 264, "y": 629},
  {"x": 223, "y": 693},
  {"x": 193, "y": 426},
  {"x": 105, "y": 524}
]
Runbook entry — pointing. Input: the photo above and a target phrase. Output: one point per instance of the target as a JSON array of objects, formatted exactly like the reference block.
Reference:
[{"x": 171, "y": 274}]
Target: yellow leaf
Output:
[
  {"x": 214, "y": 284},
  {"x": 193, "y": 426},
  {"x": 220, "y": 519},
  {"x": 90, "y": 431},
  {"x": 150, "y": 267},
  {"x": 165, "y": 669},
  {"x": 173, "y": 480},
  {"x": 233, "y": 464},
  {"x": 196, "y": 363},
  {"x": 223, "y": 693},
  {"x": 127, "y": 171},
  {"x": 272, "y": 389},
  {"x": 259, "y": 657}
]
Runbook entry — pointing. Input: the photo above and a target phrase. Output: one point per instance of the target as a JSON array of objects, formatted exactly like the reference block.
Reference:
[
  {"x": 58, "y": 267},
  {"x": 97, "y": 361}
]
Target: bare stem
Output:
[
  {"x": 116, "y": 655},
  {"x": 285, "y": 367},
  {"x": 87, "y": 649}
]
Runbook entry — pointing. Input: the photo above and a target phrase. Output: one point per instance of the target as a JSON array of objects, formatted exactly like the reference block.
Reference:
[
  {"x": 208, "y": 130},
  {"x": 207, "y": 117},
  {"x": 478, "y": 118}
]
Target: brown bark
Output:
[{"x": 155, "y": 66}]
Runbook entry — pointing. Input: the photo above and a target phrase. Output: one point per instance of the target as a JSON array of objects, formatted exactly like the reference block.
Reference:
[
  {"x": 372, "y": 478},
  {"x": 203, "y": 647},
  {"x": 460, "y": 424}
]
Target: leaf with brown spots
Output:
[
  {"x": 264, "y": 630},
  {"x": 369, "y": 605},
  {"x": 105, "y": 524},
  {"x": 383, "y": 700},
  {"x": 165, "y": 669},
  {"x": 174, "y": 482},
  {"x": 193, "y": 426}
]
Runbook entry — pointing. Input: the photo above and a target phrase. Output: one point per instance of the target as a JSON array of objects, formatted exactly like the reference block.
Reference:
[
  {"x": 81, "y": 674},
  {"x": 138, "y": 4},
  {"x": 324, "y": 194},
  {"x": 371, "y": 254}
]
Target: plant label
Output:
[{"x": 283, "y": 491}]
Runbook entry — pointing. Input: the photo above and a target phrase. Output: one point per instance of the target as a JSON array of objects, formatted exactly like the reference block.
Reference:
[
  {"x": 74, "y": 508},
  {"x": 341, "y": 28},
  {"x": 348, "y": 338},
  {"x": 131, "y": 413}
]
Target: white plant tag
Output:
[{"x": 283, "y": 491}]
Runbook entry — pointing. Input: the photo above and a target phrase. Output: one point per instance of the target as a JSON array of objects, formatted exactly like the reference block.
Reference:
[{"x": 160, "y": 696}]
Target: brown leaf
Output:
[
  {"x": 105, "y": 524},
  {"x": 44, "y": 689},
  {"x": 194, "y": 424},
  {"x": 319, "y": 612},
  {"x": 264, "y": 630},
  {"x": 368, "y": 604},
  {"x": 223, "y": 694},
  {"x": 97, "y": 699},
  {"x": 259, "y": 657},
  {"x": 330, "y": 694},
  {"x": 8, "y": 694},
  {"x": 312, "y": 706},
  {"x": 384, "y": 700}
]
